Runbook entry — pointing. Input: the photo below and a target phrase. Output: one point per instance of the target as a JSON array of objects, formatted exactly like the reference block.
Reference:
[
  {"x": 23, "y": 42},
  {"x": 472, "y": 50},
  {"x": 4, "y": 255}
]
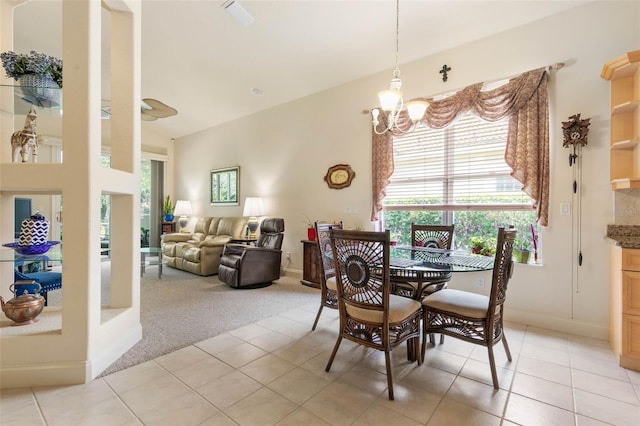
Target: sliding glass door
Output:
[{"x": 151, "y": 190}]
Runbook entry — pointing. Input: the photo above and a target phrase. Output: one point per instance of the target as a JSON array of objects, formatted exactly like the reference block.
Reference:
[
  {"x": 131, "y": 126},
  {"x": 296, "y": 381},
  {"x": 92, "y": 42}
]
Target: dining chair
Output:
[
  {"x": 328, "y": 292},
  {"x": 431, "y": 236},
  {"x": 474, "y": 317},
  {"x": 369, "y": 314}
]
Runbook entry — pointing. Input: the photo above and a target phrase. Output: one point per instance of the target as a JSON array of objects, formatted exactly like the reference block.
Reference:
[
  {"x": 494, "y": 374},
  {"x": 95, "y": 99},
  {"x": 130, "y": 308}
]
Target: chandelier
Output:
[{"x": 392, "y": 104}]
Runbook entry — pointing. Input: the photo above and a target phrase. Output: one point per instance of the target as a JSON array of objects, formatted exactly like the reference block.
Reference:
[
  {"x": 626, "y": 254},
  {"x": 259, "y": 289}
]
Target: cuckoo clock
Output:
[{"x": 575, "y": 131}]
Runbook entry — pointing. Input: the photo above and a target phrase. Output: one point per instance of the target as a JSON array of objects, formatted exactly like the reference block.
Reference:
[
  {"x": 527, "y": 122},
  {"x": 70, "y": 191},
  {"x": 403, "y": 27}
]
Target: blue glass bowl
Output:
[{"x": 32, "y": 249}]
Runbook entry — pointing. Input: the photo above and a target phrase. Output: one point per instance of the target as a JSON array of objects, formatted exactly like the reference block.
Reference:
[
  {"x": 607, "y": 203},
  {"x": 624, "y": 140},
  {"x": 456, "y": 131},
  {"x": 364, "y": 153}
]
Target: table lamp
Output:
[
  {"x": 253, "y": 209},
  {"x": 182, "y": 209}
]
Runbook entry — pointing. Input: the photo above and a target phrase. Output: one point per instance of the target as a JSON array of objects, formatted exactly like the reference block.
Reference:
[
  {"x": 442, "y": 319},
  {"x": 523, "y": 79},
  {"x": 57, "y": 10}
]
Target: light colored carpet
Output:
[{"x": 181, "y": 309}]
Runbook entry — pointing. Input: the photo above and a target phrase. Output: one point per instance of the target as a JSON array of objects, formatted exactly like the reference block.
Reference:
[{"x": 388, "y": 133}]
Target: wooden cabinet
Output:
[
  {"x": 168, "y": 227},
  {"x": 311, "y": 264},
  {"x": 624, "y": 74},
  {"x": 624, "y": 321}
]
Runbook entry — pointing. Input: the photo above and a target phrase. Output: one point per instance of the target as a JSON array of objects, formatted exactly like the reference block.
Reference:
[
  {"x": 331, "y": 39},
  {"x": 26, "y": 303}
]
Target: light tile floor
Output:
[{"x": 272, "y": 372}]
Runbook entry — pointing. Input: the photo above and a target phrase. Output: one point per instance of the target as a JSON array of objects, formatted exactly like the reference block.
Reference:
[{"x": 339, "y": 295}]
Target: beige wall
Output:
[{"x": 285, "y": 152}]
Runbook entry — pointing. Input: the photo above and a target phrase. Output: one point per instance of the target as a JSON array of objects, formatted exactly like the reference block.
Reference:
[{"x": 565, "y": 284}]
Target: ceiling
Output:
[{"x": 201, "y": 61}]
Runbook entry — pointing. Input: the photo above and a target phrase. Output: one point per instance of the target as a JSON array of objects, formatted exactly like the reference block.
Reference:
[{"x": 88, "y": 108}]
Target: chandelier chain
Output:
[
  {"x": 396, "y": 73},
  {"x": 391, "y": 101}
]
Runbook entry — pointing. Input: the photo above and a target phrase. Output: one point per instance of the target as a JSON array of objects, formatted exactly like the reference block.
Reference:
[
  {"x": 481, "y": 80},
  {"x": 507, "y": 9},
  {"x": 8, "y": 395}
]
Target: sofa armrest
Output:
[
  {"x": 257, "y": 251},
  {"x": 237, "y": 249},
  {"x": 176, "y": 238},
  {"x": 214, "y": 242}
]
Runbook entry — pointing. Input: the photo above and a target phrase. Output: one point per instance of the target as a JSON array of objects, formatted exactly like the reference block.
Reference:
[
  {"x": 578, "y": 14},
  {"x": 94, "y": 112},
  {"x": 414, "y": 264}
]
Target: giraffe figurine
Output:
[{"x": 25, "y": 141}]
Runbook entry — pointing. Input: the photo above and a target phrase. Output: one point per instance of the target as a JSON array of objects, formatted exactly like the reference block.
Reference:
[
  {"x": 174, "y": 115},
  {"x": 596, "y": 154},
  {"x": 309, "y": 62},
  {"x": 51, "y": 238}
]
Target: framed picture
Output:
[{"x": 225, "y": 186}]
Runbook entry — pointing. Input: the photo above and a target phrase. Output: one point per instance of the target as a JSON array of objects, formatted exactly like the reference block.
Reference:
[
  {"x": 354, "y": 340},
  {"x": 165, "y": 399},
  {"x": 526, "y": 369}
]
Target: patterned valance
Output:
[{"x": 524, "y": 100}]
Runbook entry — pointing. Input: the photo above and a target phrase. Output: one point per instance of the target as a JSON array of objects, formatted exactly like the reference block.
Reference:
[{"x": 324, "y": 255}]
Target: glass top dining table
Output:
[
  {"x": 426, "y": 266},
  {"x": 427, "y": 259}
]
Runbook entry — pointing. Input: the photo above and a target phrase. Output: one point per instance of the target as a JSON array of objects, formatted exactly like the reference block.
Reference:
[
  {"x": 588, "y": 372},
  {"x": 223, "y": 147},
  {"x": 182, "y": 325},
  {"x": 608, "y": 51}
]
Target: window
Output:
[{"x": 455, "y": 175}]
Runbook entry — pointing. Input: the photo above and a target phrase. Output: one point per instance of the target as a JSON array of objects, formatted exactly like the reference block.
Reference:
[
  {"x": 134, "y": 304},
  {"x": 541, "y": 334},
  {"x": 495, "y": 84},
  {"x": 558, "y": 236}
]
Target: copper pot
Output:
[{"x": 23, "y": 309}]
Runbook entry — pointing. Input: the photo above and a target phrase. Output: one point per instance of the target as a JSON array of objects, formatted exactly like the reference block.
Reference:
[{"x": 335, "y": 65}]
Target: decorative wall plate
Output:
[{"x": 339, "y": 176}]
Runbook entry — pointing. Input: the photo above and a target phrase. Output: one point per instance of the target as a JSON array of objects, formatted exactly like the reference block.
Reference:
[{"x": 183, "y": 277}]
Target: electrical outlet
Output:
[
  {"x": 480, "y": 282},
  {"x": 288, "y": 255}
]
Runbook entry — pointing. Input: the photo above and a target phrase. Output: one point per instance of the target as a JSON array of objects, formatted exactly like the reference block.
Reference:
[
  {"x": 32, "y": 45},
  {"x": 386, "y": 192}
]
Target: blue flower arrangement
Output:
[{"x": 17, "y": 65}]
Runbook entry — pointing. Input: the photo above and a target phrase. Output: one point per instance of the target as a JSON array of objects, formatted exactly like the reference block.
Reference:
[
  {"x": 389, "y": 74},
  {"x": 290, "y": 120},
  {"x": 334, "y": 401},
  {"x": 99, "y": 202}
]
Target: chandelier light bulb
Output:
[{"x": 375, "y": 113}]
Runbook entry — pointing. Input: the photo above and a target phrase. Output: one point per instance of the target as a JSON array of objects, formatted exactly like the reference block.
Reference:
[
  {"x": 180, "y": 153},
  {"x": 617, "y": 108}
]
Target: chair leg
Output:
[
  {"x": 317, "y": 317},
  {"x": 424, "y": 337},
  {"x": 506, "y": 346},
  {"x": 333, "y": 354},
  {"x": 413, "y": 350},
  {"x": 492, "y": 363},
  {"x": 387, "y": 361}
]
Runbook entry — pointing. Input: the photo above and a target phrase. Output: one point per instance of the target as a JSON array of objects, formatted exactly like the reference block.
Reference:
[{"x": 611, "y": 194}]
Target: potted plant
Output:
[
  {"x": 38, "y": 73},
  {"x": 19, "y": 65},
  {"x": 311, "y": 230},
  {"x": 167, "y": 209},
  {"x": 522, "y": 249},
  {"x": 482, "y": 245}
]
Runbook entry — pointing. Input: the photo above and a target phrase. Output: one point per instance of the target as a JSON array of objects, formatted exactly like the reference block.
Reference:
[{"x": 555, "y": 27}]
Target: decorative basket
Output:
[{"x": 40, "y": 90}]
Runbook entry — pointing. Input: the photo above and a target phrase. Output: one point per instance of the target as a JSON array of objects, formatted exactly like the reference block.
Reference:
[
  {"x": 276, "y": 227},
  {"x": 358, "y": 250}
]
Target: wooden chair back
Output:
[
  {"x": 362, "y": 269},
  {"x": 435, "y": 236}
]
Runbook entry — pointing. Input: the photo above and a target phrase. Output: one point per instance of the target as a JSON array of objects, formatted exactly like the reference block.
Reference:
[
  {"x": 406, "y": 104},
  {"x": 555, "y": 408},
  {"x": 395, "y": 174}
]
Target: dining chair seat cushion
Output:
[
  {"x": 400, "y": 308},
  {"x": 332, "y": 284},
  {"x": 467, "y": 304}
]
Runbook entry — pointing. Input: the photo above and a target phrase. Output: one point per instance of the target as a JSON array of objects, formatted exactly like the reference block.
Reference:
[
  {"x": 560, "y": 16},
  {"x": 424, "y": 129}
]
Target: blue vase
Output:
[{"x": 168, "y": 218}]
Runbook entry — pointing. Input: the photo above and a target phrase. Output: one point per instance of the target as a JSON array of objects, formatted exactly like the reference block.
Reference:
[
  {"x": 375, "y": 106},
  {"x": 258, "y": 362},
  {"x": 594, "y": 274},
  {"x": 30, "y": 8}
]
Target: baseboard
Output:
[
  {"x": 66, "y": 373},
  {"x": 295, "y": 273},
  {"x": 43, "y": 374},
  {"x": 566, "y": 325},
  {"x": 108, "y": 357}
]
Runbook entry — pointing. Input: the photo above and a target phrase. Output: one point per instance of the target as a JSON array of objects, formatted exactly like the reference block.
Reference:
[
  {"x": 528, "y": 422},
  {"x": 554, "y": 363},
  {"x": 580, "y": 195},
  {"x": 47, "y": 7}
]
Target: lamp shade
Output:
[
  {"x": 416, "y": 109},
  {"x": 389, "y": 99},
  {"x": 253, "y": 207},
  {"x": 182, "y": 208}
]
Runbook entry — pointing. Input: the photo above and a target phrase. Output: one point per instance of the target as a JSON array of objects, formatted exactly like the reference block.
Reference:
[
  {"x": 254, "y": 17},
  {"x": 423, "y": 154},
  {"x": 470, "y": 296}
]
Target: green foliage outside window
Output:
[{"x": 468, "y": 223}]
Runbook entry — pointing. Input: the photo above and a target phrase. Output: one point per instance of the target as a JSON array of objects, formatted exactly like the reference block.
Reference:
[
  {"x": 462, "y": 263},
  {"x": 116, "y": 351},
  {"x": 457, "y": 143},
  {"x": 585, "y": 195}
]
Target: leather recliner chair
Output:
[{"x": 244, "y": 266}]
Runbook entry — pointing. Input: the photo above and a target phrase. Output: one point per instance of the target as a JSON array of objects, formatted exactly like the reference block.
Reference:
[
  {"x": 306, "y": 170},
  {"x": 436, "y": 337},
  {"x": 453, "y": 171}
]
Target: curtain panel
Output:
[{"x": 524, "y": 99}]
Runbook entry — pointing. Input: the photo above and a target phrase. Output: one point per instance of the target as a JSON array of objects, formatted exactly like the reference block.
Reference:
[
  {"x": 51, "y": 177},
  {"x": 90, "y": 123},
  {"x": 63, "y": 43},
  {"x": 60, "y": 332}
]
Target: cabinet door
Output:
[
  {"x": 631, "y": 292},
  {"x": 312, "y": 264},
  {"x": 631, "y": 259},
  {"x": 631, "y": 337}
]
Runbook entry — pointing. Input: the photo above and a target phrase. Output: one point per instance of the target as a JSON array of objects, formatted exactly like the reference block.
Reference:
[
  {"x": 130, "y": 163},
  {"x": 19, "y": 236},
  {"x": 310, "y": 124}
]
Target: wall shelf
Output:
[
  {"x": 626, "y": 107},
  {"x": 23, "y": 101},
  {"x": 624, "y": 74},
  {"x": 626, "y": 144}
]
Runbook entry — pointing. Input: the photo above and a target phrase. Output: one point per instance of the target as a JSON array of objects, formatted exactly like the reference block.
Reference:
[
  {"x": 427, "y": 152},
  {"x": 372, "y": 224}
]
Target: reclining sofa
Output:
[{"x": 199, "y": 252}]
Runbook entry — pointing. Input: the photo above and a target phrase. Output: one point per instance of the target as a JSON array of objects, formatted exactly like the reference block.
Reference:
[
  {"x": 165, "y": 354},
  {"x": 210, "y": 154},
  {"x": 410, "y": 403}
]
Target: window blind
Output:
[{"x": 459, "y": 167}]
